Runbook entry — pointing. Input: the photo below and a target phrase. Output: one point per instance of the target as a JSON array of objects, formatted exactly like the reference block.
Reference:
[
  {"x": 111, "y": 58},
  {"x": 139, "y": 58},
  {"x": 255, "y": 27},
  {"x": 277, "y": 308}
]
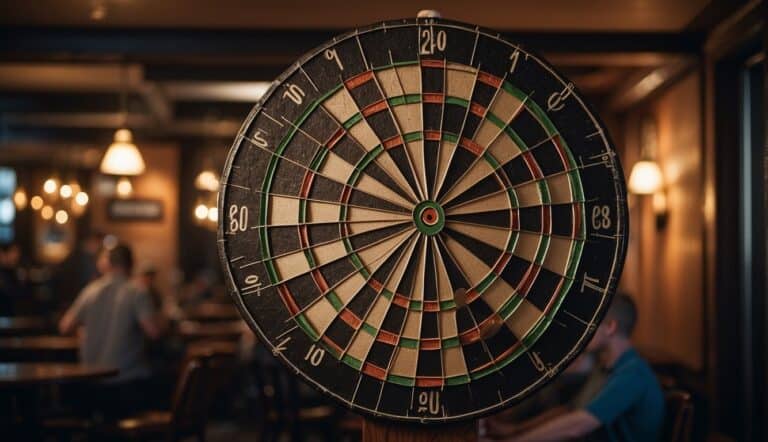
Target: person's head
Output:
[
  {"x": 618, "y": 324},
  {"x": 117, "y": 259}
]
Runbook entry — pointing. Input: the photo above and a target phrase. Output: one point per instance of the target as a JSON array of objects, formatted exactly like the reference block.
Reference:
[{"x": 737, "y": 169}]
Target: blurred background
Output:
[{"x": 680, "y": 84}]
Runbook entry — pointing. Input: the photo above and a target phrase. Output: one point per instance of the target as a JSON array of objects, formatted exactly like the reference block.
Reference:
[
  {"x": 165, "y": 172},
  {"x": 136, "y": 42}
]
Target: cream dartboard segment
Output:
[{"x": 423, "y": 220}]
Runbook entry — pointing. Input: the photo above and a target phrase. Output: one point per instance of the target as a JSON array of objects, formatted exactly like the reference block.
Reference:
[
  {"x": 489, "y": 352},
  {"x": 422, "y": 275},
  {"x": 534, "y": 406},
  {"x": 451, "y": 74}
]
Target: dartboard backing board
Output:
[{"x": 422, "y": 220}]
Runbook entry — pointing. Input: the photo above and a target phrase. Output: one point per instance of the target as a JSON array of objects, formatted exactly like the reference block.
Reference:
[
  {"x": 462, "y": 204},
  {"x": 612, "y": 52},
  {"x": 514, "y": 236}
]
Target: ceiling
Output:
[
  {"x": 192, "y": 70},
  {"x": 539, "y": 15}
]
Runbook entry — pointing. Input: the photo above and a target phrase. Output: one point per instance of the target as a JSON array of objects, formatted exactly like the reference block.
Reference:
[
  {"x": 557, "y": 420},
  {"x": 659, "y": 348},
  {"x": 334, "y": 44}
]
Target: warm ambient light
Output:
[
  {"x": 659, "y": 203},
  {"x": 51, "y": 185},
  {"x": 201, "y": 211},
  {"x": 122, "y": 157},
  {"x": 645, "y": 178},
  {"x": 36, "y": 202},
  {"x": 81, "y": 198},
  {"x": 62, "y": 216},
  {"x": 124, "y": 187},
  {"x": 46, "y": 212},
  {"x": 20, "y": 198},
  {"x": 65, "y": 191},
  {"x": 213, "y": 214},
  {"x": 207, "y": 180}
]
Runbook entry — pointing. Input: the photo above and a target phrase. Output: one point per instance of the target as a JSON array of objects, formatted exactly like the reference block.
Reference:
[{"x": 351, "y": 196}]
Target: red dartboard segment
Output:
[{"x": 405, "y": 215}]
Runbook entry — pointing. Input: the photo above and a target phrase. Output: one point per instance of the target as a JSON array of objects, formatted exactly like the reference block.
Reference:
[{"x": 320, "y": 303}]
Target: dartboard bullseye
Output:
[{"x": 423, "y": 220}]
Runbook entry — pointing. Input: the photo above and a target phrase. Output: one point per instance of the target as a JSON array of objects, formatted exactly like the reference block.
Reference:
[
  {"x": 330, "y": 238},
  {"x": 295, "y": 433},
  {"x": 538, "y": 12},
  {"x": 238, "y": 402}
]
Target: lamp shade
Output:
[
  {"x": 645, "y": 178},
  {"x": 122, "y": 157}
]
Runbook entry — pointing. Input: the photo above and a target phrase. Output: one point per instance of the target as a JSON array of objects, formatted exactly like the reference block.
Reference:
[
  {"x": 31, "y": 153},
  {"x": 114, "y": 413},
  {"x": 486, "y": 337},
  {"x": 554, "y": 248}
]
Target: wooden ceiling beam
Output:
[{"x": 283, "y": 46}]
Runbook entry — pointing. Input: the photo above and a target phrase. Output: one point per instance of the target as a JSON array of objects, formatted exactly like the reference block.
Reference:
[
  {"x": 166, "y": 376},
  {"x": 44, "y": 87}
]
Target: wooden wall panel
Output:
[
  {"x": 152, "y": 241},
  {"x": 664, "y": 269}
]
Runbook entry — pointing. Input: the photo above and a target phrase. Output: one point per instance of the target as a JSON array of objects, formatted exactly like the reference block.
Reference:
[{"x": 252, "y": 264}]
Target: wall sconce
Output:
[{"x": 646, "y": 177}]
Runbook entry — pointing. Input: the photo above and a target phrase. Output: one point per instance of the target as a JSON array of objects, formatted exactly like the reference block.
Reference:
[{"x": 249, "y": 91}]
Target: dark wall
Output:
[{"x": 197, "y": 242}]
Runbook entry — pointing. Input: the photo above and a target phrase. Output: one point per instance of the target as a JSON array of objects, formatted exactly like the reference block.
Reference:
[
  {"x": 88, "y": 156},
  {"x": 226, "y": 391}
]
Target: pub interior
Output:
[{"x": 116, "y": 119}]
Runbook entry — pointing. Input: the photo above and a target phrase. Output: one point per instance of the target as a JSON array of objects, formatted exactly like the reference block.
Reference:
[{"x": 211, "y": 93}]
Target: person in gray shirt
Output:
[{"x": 114, "y": 316}]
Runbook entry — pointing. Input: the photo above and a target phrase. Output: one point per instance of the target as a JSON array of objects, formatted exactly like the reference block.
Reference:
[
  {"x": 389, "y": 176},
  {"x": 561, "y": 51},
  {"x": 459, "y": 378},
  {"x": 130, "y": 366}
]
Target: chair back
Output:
[
  {"x": 202, "y": 376},
  {"x": 678, "y": 422}
]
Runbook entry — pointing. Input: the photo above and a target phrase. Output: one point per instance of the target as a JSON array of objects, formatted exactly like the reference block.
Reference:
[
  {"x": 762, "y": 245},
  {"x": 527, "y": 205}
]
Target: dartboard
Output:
[{"x": 422, "y": 220}]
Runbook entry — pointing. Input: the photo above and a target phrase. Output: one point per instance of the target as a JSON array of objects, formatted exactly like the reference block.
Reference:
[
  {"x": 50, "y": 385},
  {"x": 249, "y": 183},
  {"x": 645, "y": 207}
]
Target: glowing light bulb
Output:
[
  {"x": 207, "y": 180},
  {"x": 36, "y": 202},
  {"x": 51, "y": 185},
  {"x": 213, "y": 214},
  {"x": 62, "y": 216},
  {"x": 46, "y": 212},
  {"x": 81, "y": 198},
  {"x": 65, "y": 191},
  {"x": 645, "y": 178},
  {"x": 124, "y": 187},
  {"x": 201, "y": 211},
  {"x": 20, "y": 198}
]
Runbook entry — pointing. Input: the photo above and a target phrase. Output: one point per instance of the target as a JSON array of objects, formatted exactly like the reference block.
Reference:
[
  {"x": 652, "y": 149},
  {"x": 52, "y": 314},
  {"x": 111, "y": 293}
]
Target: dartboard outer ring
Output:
[{"x": 477, "y": 396}]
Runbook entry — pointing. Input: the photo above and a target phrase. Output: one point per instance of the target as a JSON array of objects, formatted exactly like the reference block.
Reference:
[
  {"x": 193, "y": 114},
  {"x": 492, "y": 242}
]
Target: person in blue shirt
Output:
[{"x": 630, "y": 404}]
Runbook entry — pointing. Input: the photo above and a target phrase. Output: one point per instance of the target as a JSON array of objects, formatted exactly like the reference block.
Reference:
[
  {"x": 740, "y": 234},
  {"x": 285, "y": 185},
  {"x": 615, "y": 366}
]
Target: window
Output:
[{"x": 7, "y": 207}]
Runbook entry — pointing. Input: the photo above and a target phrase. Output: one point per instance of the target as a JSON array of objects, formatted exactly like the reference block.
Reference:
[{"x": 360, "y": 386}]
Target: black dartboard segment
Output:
[{"x": 423, "y": 220}]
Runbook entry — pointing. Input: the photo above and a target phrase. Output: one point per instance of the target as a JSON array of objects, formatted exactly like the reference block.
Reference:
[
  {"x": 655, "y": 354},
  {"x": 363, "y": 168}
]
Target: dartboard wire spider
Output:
[
  {"x": 322, "y": 243},
  {"x": 376, "y": 260},
  {"x": 377, "y": 160},
  {"x": 319, "y": 266},
  {"x": 499, "y": 167},
  {"x": 418, "y": 192},
  {"x": 440, "y": 177},
  {"x": 487, "y": 145},
  {"x": 332, "y": 178}
]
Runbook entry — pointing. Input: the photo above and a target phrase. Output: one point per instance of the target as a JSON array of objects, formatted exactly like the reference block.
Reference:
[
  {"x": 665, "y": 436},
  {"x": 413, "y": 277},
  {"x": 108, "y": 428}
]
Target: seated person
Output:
[
  {"x": 628, "y": 407},
  {"x": 115, "y": 316}
]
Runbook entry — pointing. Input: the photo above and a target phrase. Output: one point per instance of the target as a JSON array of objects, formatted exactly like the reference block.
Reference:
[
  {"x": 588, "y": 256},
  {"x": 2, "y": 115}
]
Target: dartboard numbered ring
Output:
[{"x": 423, "y": 220}]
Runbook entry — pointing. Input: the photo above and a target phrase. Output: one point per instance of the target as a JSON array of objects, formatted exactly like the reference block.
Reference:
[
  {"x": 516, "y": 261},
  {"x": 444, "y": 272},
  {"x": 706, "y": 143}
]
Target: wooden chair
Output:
[
  {"x": 202, "y": 376},
  {"x": 678, "y": 422},
  {"x": 284, "y": 408}
]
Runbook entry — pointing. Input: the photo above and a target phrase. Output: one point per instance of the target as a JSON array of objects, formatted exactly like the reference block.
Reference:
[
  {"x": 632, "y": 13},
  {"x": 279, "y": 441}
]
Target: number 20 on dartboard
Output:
[{"x": 430, "y": 41}]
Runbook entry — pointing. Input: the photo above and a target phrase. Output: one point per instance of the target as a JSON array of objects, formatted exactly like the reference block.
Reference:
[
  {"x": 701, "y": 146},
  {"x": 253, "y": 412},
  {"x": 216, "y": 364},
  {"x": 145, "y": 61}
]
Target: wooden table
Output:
[
  {"x": 39, "y": 349},
  {"x": 21, "y": 325},
  {"x": 204, "y": 347},
  {"x": 22, "y": 383},
  {"x": 211, "y": 330},
  {"x": 18, "y": 374},
  {"x": 213, "y": 311}
]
